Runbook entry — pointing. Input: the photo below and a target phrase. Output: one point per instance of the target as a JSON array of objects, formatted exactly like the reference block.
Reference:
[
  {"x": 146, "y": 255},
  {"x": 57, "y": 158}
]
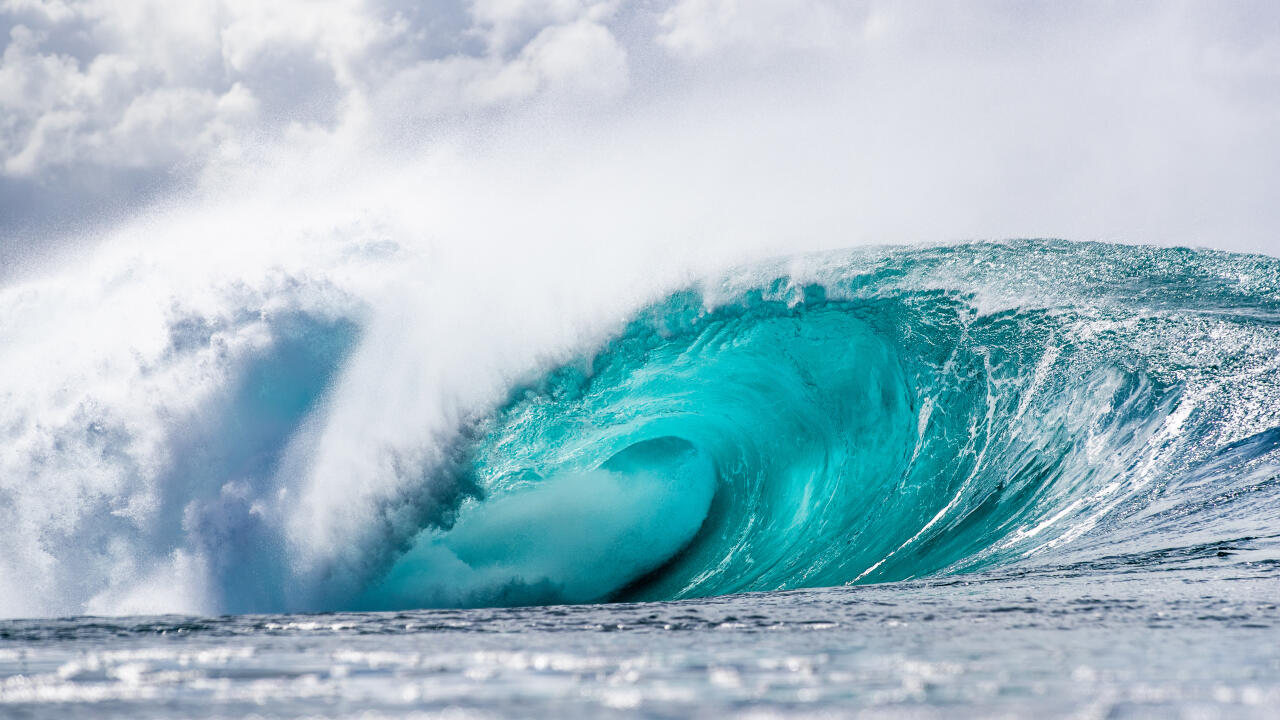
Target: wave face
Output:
[
  {"x": 857, "y": 417},
  {"x": 890, "y": 416}
]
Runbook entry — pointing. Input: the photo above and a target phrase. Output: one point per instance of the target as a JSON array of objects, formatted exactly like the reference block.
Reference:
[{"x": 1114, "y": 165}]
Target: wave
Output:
[{"x": 863, "y": 416}]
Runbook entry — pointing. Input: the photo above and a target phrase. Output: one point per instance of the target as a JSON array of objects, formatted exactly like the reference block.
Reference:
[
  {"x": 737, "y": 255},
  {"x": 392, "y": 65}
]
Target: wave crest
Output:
[{"x": 864, "y": 416}]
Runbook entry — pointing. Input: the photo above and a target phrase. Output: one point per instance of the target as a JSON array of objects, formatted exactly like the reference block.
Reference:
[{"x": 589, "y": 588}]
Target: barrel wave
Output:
[
  {"x": 878, "y": 421},
  {"x": 865, "y": 416}
]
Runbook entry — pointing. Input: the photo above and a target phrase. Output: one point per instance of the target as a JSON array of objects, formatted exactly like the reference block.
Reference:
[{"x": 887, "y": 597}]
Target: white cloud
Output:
[
  {"x": 578, "y": 60},
  {"x": 697, "y": 28},
  {"x": 988, "y": 97},
  {"x": 49, "y": 10},
  {"x": 507, "y": 25},
  {"x": 577, "y": 57},
  {"x": 114, "y": 109},
  {"x": 151, "y": 85}
]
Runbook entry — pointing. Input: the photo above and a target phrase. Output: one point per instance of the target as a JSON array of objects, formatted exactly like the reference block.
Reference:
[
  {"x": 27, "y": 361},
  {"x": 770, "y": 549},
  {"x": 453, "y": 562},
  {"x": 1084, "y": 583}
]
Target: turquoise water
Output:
[
  {"x": 1018, "y": 478},
  {"x": 888, "y": 415}
]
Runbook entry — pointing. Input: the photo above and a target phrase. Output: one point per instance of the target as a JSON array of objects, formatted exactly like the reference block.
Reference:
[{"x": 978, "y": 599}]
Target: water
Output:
[
  {"x": 1021, "y": 478},
  {"x": 1192, "y": 634},
  {"x": 864, "y": 422}
]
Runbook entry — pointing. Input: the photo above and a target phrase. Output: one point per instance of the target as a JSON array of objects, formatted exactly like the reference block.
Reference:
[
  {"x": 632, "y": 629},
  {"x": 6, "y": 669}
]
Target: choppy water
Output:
[{"x": 1185, "y": 633}]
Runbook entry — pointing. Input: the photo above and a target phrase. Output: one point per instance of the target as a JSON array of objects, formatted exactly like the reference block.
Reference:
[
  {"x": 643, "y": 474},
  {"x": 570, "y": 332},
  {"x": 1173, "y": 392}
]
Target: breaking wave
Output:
[{"x": 854, "y": 417}]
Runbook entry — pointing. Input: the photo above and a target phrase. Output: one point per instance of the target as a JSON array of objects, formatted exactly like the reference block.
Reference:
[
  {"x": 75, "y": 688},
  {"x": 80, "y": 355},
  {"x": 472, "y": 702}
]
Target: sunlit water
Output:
[{"x": 1191, "y": 633}]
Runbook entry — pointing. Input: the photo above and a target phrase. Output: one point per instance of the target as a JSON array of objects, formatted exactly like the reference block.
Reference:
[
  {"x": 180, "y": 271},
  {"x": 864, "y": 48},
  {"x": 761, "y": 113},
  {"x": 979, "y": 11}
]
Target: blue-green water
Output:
[
  {"x": 885, "y": 416},
  {"x": 988, "y": 479}
]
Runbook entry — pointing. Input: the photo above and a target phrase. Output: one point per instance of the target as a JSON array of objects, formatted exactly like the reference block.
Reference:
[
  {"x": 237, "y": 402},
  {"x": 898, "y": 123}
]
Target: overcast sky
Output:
[{"x": 866, "y": 121}]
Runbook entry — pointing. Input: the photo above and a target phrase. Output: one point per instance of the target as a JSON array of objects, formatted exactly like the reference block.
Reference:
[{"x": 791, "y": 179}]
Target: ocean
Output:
[{"x": 1188, "y": 633}]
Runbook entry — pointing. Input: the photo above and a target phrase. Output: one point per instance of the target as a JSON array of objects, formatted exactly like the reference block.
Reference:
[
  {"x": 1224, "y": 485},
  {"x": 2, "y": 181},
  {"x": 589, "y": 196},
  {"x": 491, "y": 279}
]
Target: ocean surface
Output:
[
  {"x": 1033, "y": 478},
  {"x": 1184, "y": 633}
]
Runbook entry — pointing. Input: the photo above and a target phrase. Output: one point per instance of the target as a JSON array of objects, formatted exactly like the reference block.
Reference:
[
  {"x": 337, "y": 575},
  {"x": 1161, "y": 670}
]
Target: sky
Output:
[{"x": 817, "y": 123}]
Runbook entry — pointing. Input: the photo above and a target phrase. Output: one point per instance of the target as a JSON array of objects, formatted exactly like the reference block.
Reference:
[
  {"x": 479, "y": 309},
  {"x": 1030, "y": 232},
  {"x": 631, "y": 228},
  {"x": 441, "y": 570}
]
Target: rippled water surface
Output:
[{"x": 1192, "y": 632}]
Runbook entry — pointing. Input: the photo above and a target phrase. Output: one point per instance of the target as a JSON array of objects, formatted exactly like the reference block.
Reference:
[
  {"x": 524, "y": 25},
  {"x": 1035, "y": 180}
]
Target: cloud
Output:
[
  {"x": 145, "y": 85},
  {"x": 1094, "y": 119},
  {"x": 106, "y": 105},
  {"x": 507, "y": 25},
  {"x": 698, "y": 28},
  {"x": 579, "y": 59},
  {"x": 133, "y": 95}
]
